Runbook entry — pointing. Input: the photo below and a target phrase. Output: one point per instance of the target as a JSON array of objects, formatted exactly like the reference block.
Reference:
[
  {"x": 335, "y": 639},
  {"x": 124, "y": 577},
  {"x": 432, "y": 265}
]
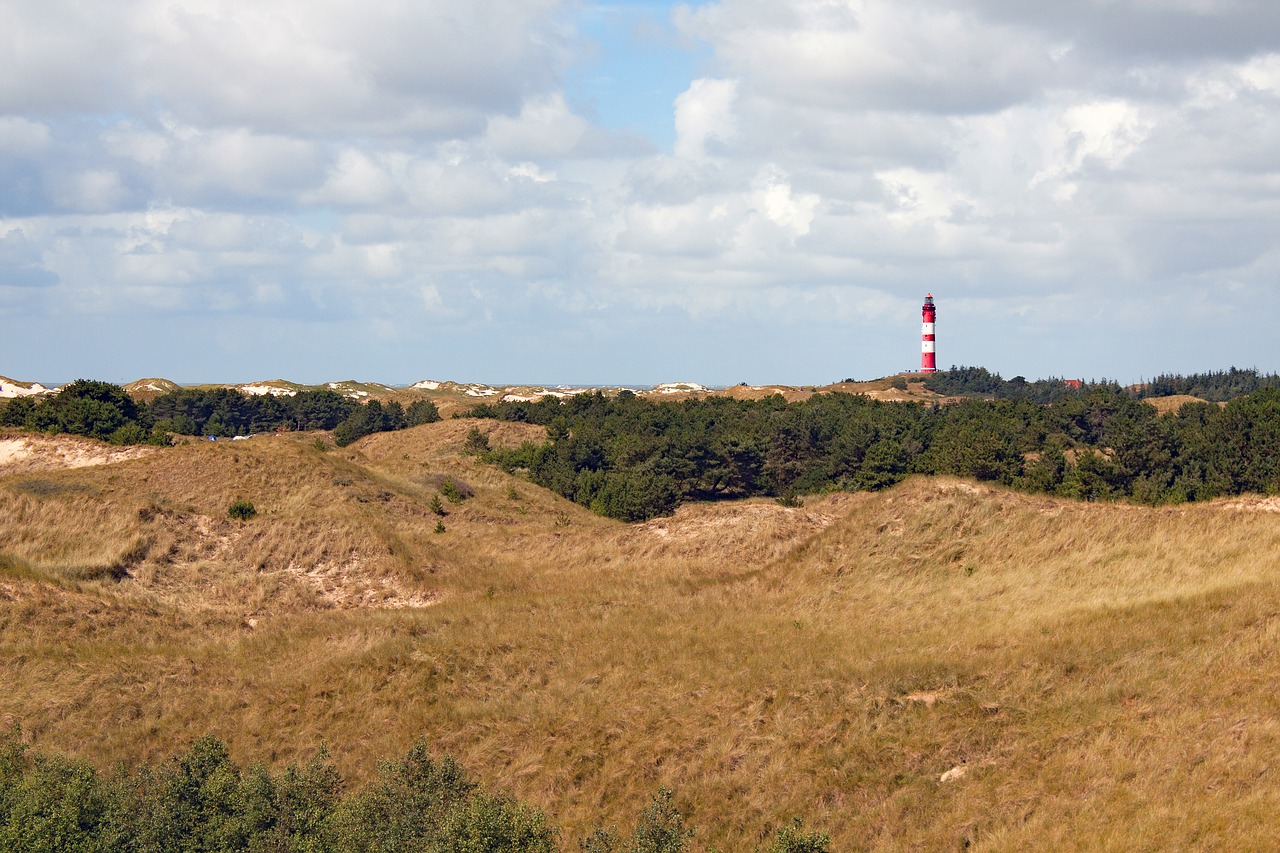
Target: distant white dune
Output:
[
  {"x": 260, "y": 390},
  {"x": 678, "y": 388},
  {"x": 11, "y": 389}
]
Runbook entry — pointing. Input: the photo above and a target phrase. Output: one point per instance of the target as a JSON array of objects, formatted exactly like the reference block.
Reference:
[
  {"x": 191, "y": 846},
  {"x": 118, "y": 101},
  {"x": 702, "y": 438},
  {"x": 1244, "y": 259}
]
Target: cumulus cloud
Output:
[
  {"x": 704, "y": 114},
  {"x": 408, "y": 166},
  {"x": 909, "y": 56},
  {"x": 20, "y": 262},
  {"x": 429, "y": 68},
  {"x": 20, "y": 137}
]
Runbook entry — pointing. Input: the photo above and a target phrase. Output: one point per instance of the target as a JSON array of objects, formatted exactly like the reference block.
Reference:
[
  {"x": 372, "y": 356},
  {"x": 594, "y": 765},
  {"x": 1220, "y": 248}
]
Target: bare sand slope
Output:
[{"x": 28, "y": 453}]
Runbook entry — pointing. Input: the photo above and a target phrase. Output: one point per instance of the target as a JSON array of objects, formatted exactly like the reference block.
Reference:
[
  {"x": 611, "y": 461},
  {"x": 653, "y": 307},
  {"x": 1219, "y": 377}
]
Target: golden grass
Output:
[
  {"x": 1173, "y": 402},
  {"x": 1103, "y": 674}
]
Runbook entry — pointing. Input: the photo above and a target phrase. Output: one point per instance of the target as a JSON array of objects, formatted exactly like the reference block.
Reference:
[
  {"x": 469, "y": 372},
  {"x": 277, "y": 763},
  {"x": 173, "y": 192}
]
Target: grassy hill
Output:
[{"x": 933, "y": 666}]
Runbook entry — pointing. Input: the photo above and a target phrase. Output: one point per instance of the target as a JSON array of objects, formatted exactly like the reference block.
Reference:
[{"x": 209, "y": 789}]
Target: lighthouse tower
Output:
[{"x": 928, "y": 357}]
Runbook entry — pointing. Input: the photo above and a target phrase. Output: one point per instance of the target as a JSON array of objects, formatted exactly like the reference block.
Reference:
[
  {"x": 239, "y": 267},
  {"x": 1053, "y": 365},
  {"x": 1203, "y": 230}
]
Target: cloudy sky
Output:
[{"x": 636, "y": 192}]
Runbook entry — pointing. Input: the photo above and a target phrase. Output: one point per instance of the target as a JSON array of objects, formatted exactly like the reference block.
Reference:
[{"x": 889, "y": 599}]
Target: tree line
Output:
[
  {"x": 106, "y": 412},
  {"x": 204, "y": 802},
  {"x": 1215, "y": 386},
  {"x": 632, "y": 459}
]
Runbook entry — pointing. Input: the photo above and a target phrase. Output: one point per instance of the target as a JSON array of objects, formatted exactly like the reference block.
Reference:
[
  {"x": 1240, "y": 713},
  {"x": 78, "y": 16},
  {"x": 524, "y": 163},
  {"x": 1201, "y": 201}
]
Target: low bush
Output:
[{"x": 204, "y": 801}]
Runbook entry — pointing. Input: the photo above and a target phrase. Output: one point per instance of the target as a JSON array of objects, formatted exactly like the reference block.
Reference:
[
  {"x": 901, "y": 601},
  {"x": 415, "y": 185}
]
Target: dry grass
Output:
[
  {"x": 1102, "y": 675},
  {"x": 1173, "y": 403}
]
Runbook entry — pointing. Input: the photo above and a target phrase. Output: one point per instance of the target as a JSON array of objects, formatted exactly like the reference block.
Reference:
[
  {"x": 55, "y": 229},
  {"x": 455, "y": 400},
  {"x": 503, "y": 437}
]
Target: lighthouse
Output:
[{"x": 928, "y": 356}]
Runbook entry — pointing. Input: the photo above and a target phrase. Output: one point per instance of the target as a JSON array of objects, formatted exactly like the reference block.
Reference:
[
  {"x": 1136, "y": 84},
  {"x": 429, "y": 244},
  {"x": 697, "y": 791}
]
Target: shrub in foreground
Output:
[{"x": 204, "y": 801}]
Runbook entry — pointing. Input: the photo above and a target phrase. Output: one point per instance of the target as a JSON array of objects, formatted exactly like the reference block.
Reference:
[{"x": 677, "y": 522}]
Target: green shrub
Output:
[
  {"x": 451, "y": 490},
  {"x": 661, "y": 828},
  {"x": 60, "y": 804},
  {"x": 793, "y": 839},
  {"x": 242, "y": 510},
  {"x": 203, "y": 801},
  {"x": 420, "y": 803},
  {"x": 632, "y": 495},
  {"x": 421, "y": 412},
  {"x": 475, "y": 443}
]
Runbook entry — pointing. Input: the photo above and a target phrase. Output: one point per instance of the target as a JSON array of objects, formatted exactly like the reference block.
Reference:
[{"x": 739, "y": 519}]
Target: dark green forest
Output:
[
  {"x": 106, "y": 412},
  {"x": 632, "y": 459},
  {"x": 1215, "y": 386},
  {"x": 204, "y": 802}
]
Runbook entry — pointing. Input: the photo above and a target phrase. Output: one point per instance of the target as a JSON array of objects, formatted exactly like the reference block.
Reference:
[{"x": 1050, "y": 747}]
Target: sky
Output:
[{"x": 539, "y": 191}]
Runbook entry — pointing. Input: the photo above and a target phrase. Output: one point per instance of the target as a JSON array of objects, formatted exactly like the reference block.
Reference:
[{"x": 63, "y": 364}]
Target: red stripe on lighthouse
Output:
[{"x": 928, "y": 353}]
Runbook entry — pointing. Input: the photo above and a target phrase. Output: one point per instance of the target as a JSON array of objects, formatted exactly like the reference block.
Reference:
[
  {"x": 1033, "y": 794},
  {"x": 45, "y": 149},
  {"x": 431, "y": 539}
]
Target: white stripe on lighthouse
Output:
[
  {"x": 927, "y": 346},
  {"x": 928, "y": 328}
]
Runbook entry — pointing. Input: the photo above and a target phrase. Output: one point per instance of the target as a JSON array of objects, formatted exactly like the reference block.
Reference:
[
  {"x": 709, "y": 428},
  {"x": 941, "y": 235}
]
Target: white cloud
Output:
[
  {"x": 545, "y": 128},
  {"x": 772, "y": 196},
  {"x": 91, "y": 191},
  {"x": 910, "y": 56},
  {"x": 20, "y": 137},
  {"x": 242, "y": 163},
  {"x": 1263, "y": 73},
  {"x": 429, "y": 67},
  {"x": 704, "y": 113},
  {"x": 1106, "y": 133},
  {"x": 358, "y": 180}
]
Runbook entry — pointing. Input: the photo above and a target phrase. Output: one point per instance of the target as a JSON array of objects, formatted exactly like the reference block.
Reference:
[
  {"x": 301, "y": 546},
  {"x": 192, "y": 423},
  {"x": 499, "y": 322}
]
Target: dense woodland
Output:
[
  {"x": 203, "y": 801},
  {"x": 1215, "y": 386},
  {"x": 633, "y": 459},
  {"x": 106, "y": 412}
]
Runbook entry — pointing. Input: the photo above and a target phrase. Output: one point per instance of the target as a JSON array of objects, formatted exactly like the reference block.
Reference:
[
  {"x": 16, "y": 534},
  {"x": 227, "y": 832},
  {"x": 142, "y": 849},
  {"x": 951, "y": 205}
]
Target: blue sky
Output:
[
  {"x": 636, "y": 66},
  {"x": 635, "y": 192}
]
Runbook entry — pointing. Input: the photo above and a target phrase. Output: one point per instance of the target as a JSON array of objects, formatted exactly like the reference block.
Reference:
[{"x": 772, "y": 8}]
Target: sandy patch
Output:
[
  {"x": 263, "y": 390},
  {"x": 680, "y": 388},
  {"x": 348, "y": 585},
  {"x": 744, "y": 533},
  {"x": 1251, "y": 503},
  {"x": 39, "y": 453}
]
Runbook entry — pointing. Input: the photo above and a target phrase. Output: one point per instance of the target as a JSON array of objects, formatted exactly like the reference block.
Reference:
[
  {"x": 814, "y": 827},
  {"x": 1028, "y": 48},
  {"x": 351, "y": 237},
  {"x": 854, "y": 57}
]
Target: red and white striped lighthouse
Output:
[{"x": 928, "y": 356}]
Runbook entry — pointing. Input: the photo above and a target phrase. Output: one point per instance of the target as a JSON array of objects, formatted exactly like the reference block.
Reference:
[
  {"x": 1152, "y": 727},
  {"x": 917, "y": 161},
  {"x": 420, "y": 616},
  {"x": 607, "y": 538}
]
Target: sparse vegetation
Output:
[
  {"x": 1073, "y": 670},
  {"x": 476, "y": 443},
  {"x": 454, "y": 490},
  {"x": 241, "y": 510}
]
